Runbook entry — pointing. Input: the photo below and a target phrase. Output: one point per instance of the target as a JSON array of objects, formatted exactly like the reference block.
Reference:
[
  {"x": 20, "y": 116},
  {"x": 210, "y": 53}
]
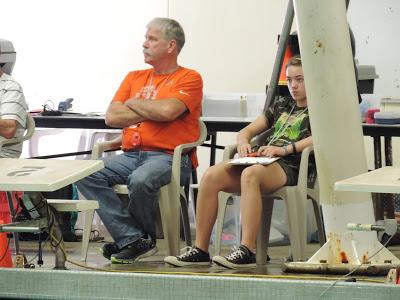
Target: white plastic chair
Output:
[
  {"x": 172, "y": 195},
  {"x": 91, "y": 137},
  {"x": 37, "y": 136},
  {"x": 88, "y": 138},
  {"x": 296, "y": 202},
  {"x": 62, "y": 205}
]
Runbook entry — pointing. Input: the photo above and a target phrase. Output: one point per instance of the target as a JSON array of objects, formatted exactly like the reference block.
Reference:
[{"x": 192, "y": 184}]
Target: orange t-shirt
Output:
[{"x": 185, "y": 85}]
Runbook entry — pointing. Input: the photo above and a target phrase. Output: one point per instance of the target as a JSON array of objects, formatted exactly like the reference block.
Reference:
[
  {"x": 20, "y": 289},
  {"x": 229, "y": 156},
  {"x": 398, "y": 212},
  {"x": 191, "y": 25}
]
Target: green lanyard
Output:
[{"x": 285, "y": 125}]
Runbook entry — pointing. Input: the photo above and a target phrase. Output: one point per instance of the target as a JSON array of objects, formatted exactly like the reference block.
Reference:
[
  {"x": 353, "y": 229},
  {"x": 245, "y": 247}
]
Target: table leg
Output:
[
  {"x": 378, "y": 164},
  {"x": 388, "y": 199},
  {"x": 213, "y": 148},
  {"x": 194, "y": 181}
]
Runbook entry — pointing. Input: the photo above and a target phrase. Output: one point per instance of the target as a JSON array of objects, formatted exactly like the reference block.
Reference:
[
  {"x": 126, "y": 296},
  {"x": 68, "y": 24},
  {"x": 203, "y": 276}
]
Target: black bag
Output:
[{"x": 65, "y": 218}]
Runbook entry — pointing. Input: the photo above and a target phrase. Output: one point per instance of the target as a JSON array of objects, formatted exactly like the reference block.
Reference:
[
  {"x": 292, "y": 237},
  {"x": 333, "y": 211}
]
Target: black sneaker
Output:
[
  {"x": 109, "y": 249},
  {"x": 131, "y": 253},
  {"x": 240, "y": 257},
  {"x": 192, "y": 257}
]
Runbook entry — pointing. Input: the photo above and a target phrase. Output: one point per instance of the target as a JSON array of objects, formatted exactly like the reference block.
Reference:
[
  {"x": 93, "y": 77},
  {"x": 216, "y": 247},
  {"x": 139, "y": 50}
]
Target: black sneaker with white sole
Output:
[
  {"x": 109, "y": 249},
  {"x": 240, "y": 257},
  {"x": 192, "y": 257},
  {"x": 138, "y": 249}
]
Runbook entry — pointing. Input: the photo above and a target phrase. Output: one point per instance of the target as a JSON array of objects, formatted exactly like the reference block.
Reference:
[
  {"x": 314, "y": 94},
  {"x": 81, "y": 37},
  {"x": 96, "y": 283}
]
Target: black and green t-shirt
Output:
[{"x": 290, "y": 123}]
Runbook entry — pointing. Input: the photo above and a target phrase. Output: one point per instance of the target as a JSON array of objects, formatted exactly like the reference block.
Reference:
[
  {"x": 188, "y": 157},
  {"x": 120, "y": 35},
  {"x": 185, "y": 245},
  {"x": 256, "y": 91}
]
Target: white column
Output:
[{"x": 337, "y": 131}]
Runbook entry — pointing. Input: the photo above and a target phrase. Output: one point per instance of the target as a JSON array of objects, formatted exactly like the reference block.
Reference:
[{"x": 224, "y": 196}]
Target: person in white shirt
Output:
[{"x": 13, "y": 110}]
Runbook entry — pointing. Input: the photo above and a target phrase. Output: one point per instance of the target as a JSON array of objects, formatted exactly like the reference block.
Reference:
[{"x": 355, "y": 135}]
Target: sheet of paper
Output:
[{"x": 253, "y": 160}]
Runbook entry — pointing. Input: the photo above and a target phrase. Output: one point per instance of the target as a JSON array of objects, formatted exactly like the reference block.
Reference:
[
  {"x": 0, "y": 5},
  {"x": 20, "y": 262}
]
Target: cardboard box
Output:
[{"x": 389, "y": 104}]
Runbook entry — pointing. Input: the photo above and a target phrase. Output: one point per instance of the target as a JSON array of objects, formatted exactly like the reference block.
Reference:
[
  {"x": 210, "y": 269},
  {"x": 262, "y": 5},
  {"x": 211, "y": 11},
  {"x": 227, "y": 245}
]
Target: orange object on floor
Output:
[
  {"x": 5, "y": 253},
  {"x": 4, "y": 207}
]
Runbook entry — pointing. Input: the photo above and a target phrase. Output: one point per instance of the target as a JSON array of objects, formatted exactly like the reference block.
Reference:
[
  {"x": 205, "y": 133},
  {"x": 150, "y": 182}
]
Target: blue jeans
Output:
[{"x": 144, "y": 172}]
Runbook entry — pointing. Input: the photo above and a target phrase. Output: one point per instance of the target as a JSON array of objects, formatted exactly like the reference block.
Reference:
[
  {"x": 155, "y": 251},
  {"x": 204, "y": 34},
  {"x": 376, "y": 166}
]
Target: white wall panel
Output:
[
  {"x": 232, "y": 43},
  {"x": 79, "y": 49}
]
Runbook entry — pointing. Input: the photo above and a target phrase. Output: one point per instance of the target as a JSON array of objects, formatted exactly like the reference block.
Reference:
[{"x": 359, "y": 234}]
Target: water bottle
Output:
[{"x": 243, "y": 106}]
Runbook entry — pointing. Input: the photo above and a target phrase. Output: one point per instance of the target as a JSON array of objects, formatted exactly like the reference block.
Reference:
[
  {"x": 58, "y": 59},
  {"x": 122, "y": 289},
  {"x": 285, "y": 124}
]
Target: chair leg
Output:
[
  {"x": 296, "y": 210},
  {"x": 87, "y": 228},
  {"x": 320, "y": 223},
  {"x": 263, "y": 233},
  {"x": 219, "y": 224},
  {"x": 170, "y": 223},
  {"x": 185, "y": 221}
]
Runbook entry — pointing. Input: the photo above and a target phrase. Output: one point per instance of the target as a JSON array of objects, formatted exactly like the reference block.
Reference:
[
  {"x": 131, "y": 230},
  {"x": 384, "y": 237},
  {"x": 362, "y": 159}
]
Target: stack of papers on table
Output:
[
  {"x": 262, "y": 160},
  {"x": 88, "y": 114}
]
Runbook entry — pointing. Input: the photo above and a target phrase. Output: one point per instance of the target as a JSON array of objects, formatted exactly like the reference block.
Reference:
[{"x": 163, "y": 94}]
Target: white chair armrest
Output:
[
  {"x": 229, "y": 152},
  {"x": 30, "y": 129},
  {"x": 100, "y": 148},
  {"x": 184, "y": 148},
  {"x": 73, "y": 205},
  {"x": 176, "y": 161}
]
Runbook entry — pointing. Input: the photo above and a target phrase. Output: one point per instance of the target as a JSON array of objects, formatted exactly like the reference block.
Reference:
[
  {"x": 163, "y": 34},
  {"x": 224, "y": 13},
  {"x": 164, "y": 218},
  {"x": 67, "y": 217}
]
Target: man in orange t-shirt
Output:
[{"x": 158, "y": 109}]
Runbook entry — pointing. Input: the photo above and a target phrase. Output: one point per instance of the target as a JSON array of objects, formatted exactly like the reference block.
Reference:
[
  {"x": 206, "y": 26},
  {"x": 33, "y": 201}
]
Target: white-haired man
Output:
[{"x": 158, "y": 109}]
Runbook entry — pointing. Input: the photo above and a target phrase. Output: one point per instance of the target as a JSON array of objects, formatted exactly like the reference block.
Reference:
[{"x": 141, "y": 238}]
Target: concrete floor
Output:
[
  {"x": 152, "y": 279},
  {"x": 96, "y": 262}
]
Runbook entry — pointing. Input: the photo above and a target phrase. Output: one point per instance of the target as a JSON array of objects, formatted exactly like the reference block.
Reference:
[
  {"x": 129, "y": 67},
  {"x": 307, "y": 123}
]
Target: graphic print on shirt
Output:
[
  {"x": 292, "y": 127},
  {"x": 147, "y": 92},
  {"x": 150, "y": 91}
]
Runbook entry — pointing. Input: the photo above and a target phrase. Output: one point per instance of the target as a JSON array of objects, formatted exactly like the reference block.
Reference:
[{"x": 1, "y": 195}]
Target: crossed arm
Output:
[{"x": 135, "y": 110}]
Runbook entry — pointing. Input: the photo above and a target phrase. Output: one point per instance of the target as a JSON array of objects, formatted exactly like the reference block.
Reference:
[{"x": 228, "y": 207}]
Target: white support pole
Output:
[{"x": 337, "y": 133}]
